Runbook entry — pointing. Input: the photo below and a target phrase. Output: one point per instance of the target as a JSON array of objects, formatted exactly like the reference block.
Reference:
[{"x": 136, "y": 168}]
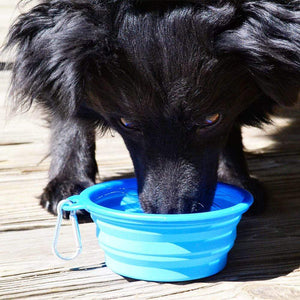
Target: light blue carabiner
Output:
[{"x": 75, "y": 227}]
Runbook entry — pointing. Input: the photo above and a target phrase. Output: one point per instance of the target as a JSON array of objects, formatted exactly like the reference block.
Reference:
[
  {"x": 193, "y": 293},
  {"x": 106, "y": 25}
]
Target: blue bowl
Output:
[{"x": 160, "y": 247}]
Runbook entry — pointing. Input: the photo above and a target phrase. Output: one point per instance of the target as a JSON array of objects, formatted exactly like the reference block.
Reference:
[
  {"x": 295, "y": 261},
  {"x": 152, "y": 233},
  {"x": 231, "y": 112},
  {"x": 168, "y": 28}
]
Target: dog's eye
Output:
[
  {"x": 211, "y": 119},
  {"x": 127, "y": 123}
]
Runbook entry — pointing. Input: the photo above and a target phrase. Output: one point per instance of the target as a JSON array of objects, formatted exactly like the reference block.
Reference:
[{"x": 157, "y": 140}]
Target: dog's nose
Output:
[
  {"x": 168, "y": 202},
  {"x": 160, "y": 207},
  {"x": 177, "y": 185}
]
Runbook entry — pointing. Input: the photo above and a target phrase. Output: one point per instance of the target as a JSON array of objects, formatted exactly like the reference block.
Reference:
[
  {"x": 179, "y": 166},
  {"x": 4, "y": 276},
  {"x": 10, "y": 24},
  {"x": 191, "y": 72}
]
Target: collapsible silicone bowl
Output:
[{"x": 158, "y": 247}]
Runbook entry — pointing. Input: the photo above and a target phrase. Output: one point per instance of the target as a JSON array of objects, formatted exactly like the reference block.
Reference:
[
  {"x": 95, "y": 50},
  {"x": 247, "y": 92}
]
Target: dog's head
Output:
[{"x": 172, "y": 78}]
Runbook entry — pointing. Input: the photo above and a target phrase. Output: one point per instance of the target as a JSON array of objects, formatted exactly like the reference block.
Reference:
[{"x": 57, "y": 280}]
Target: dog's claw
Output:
[{"x": 57, "y": 190}]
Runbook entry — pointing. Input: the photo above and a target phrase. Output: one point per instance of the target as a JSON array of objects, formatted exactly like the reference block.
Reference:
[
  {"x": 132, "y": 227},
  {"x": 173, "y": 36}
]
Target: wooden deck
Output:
[{"x": 264, "y": 263}]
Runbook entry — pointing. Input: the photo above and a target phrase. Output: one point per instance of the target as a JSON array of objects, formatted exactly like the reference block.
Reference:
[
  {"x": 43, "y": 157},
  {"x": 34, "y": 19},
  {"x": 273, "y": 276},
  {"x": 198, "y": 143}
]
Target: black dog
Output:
[{"x": 177, "y": 80}]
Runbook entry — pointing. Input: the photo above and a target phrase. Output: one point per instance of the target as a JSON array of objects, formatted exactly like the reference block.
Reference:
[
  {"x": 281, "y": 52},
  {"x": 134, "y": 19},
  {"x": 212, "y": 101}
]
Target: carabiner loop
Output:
[{"x": 75, "y": 227}]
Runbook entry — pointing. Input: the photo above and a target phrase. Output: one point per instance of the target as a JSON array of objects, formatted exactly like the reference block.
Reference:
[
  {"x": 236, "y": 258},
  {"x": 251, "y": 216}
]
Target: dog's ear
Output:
[
  {"x": 267, "y": 40},
  {"x": 55, "y": 43}
]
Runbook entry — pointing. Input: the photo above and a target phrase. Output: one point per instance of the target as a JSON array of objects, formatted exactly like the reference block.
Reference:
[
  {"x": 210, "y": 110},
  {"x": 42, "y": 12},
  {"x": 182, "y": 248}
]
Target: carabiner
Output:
[{"x": 75, "y": 227}]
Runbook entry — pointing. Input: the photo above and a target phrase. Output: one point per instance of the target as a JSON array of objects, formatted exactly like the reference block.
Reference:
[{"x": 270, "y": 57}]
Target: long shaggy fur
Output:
[{"x": 165, "y": 66}]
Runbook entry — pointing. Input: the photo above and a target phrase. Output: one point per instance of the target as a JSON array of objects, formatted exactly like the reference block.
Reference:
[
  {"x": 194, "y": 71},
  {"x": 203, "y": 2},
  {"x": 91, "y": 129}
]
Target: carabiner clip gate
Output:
[{"x": 75, "y": 226}]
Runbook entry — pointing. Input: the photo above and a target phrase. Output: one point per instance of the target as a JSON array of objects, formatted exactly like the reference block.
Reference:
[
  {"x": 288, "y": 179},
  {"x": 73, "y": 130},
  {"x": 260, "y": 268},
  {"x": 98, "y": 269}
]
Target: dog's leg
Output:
[
  {"x": 73, "y": 165},
  {"x": 233, "y": 169}
]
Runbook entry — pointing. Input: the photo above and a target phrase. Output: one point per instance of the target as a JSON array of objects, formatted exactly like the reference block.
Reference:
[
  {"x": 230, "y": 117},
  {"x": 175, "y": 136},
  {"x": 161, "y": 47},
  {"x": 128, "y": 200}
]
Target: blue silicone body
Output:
[{"x": 158, "y": 247}]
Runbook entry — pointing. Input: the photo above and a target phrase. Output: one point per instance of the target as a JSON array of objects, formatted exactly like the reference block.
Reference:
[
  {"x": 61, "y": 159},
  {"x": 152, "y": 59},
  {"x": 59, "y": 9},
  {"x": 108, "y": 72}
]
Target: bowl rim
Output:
[{"x": 83, "y": 201}]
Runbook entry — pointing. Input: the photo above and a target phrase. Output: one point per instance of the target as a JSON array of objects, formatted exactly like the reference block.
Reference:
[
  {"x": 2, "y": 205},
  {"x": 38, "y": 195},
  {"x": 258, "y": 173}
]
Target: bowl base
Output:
[{"x": 165, "y": 275}]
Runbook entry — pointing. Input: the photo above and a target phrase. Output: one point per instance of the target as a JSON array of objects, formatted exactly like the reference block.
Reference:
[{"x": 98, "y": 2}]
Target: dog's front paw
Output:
[
  {"x": 57, "y": 190},
  {"x": 256, "y": 188}
]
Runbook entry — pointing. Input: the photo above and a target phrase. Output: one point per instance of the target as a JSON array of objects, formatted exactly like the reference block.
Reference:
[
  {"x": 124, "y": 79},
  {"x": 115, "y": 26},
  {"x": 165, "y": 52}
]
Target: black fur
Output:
[{"x": 165, "y": 66}]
